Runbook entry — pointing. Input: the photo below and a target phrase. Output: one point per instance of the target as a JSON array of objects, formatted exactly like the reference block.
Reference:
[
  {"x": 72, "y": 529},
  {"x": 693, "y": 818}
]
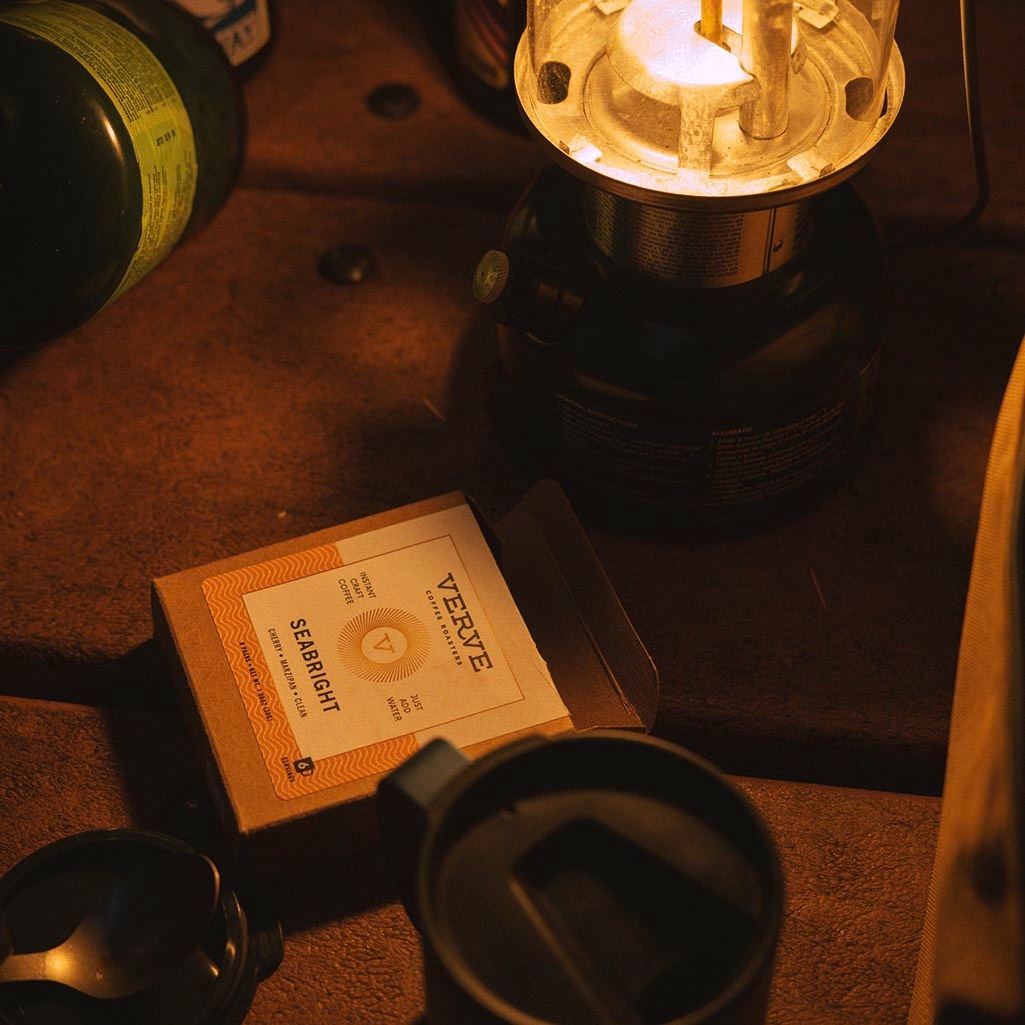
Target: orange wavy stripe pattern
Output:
[
  {"x": 224, "y": 596},
  {"x": 358, "y": 764}
]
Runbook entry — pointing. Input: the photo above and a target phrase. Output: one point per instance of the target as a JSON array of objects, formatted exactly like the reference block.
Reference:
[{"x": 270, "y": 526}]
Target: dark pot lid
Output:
[{"x": 44, "y": 897}]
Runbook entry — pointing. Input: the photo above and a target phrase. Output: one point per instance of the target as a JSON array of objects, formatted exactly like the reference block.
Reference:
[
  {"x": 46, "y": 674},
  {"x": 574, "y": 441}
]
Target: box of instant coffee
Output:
[{"x": 310, "y": 668}]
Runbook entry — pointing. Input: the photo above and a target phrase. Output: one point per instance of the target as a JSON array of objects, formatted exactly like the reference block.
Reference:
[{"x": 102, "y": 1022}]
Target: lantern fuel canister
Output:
[{"x": 689, "y": 301}]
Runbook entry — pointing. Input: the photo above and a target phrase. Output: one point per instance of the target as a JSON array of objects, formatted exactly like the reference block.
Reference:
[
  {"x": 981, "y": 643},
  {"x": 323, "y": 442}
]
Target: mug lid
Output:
[{"x": 601, "y": 877}]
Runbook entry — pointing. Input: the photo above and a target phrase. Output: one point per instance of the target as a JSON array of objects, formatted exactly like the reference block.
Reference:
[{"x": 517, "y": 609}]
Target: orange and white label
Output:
[{"x": 350, "y": 656}]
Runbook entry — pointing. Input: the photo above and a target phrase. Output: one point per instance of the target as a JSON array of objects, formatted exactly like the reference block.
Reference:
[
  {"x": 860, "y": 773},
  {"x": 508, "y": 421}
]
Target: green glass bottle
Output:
[{"x": 121, "y": 134}]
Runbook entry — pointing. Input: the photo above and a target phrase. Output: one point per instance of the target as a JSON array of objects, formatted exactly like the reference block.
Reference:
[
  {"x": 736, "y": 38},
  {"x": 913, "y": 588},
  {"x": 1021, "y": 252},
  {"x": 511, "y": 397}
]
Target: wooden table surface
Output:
[{"x": 236, "y": 398}]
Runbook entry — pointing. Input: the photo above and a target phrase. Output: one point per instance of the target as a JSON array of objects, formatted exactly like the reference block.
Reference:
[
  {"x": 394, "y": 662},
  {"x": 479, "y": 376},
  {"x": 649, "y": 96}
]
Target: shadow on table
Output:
[
  {"x": 164, "y": 790},
  {"x": 443, "y": 442}
]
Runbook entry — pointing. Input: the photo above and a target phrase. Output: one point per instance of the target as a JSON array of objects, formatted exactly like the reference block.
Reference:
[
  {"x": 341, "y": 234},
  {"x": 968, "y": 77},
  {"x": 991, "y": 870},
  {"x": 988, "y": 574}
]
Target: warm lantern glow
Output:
[{"x": 641, "y": 93}]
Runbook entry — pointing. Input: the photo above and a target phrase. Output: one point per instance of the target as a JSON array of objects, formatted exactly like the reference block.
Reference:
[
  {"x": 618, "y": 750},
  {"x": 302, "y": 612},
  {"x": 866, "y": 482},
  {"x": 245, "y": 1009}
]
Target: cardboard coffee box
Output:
[{"x": 310, "y": 668}]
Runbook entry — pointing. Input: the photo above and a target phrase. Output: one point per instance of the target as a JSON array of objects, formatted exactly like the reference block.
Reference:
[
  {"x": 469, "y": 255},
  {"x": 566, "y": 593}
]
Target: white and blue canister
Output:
[{"x": 242, "y": 27}]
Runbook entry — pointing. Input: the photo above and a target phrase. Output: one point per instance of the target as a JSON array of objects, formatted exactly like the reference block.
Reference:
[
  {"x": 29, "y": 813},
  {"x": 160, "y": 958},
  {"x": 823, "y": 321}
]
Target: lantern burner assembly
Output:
[
  {"x": 689, "y": 302},
  {"x": 682, "y": 101}
]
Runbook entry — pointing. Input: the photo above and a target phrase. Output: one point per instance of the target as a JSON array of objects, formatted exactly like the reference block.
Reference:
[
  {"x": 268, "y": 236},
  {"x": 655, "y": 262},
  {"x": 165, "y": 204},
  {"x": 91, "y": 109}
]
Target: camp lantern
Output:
[{"x": 689, "y": 300}]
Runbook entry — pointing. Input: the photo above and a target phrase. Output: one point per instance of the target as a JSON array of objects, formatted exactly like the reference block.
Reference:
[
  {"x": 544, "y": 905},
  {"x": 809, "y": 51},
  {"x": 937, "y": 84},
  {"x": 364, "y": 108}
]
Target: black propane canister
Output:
[
  {"x": 121, "y": 134},
  {"x": 667, "y": 389}
]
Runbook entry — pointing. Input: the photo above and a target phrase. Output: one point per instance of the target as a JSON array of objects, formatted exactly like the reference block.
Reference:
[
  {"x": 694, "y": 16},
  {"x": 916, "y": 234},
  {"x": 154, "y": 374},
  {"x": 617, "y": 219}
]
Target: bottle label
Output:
[
  {"x": 352, "y": 655},
  {"x": 242, "y": 27},
  {"x": 726, "y": 465},
  {"x": 149, "y": 105},
  {"x": 483, "y": 41}
]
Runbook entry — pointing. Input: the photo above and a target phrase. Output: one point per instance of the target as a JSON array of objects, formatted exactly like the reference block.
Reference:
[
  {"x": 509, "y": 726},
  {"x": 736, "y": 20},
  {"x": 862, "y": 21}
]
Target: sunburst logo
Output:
[{"x": 383, "y": 645}]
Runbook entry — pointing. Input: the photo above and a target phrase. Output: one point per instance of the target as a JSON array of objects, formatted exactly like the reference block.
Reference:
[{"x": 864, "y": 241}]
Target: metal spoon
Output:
[{"x": 146, "y": 924}]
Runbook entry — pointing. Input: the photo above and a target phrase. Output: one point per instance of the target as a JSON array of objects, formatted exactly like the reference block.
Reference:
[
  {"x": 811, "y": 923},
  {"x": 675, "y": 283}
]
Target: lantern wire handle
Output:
[
  {"x": 973, "y": 106},
  {"x": 973, "y": 102}
]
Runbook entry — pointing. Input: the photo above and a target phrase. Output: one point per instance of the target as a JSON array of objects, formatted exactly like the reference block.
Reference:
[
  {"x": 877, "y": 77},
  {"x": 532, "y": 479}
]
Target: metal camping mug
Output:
[{"x": 603, "y": 878}]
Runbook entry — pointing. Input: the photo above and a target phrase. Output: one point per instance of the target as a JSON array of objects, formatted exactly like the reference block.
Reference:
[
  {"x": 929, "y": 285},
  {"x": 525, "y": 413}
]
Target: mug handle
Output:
[{"x": 404, "y": 799}]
